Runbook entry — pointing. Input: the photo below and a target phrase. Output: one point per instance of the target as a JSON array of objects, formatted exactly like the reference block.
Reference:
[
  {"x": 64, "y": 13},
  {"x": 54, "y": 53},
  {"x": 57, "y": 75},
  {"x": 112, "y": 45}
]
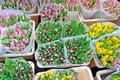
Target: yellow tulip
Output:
[
  {"x": 42, "y": 76},
  {"x": 104, "y": 63},
  {"x": 50, "y": 73},
  {"x": 69, "y": 77},
  {"x": 63, "y": 79},
  {"x": 111, "y": 58}
]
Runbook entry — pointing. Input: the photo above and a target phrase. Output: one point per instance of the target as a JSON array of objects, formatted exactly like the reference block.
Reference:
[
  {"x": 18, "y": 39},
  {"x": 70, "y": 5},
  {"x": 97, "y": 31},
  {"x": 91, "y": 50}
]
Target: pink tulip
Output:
[
  {"x": 4, "y": 33},
  {"x": 42, "y": 15},
  {"x": 18, "y": 24},
  {"x": 2, "y": 25},
  {"x": 25, "y": 40},
  {"x": 18, "y": 44},
  {"x": 5, "y": 47}
]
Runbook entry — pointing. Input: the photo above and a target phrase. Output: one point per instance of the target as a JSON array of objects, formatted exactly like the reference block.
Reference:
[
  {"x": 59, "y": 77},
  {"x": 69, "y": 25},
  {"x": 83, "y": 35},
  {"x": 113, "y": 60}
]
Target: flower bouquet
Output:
[
  {"x": 98, "y": 29},
  {"x": 113, "y": 76},
  {"x": 27, "y": 6},
  {"x": 53, "y": 12},
  {"x": 79, "y": 51},
  {"x": 73, "y": 28},
  {"x": 89, "y": 7},
  {"x": 48, "y": 32},
  {"x": 108, "y": 51},
  {"x": 50, "y": 54},
  {"x": 18, "y": 69},
  {"x": 10, "y": 19},
  {"x": 17, "y": 39},
  {"x": 43, "y": 2},
  {"x": 69, "y": 74}
]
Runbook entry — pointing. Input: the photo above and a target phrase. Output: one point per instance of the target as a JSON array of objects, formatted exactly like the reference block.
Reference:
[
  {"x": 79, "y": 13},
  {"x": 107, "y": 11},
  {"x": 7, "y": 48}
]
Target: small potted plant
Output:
[
  {"x": 48, "y": 32},
  {"x": 50, "y": 54}
]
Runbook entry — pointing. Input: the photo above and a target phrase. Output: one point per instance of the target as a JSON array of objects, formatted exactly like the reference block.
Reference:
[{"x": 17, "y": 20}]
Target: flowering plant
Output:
[
  {"x": 16, "y": 39},
  {"x": 53, "y": 12},
  {"x": 48, "y": 32},
  {"x": 90, "y": 4},
  {"x": 52, "y": 54},
  {"x": 78, "y": 50},
  {"x": 73, "y": 5},
  {"x": 10, "y": 19},
  {"x": 108, "y": 51},
  {"x": 95, "y": 31},
  {"x": 60, "y": 75},
  {"x": 26, "y": 5},
  {"x": 16, "y": 70},
  {"x": 73, "y": 28},
  {"x": 112, "y": 7},
  {"x": 52, "y": 1}
]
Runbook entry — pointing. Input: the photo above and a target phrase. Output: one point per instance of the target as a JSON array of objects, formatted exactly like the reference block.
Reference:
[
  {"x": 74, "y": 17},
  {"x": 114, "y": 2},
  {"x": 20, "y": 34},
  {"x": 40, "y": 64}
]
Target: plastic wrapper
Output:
[{"x": 28, "y": 47}]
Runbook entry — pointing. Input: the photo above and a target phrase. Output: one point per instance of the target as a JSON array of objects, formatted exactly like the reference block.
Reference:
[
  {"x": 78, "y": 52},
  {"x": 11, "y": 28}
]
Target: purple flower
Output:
[{"x": 4, "y": 33}]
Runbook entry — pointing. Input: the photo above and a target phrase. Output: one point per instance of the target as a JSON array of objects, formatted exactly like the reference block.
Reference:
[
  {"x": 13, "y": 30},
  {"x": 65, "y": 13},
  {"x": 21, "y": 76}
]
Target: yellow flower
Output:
[
  {"x": 42, "y": 76},
  {"x": 69, "y": 77},
  {"x": 91, "y": 27},
  {"x": 111, "y": 58},
  {"x": 109, "y": 42},
  {"x": 50, "y": 73},
  {"x": 104, "y": 63},
  {"x": 109, "y": 30},
  {"x": 110, "y": 52},
  {"x": 63, "y": 79},
  {"x": 109, "y": 25}
]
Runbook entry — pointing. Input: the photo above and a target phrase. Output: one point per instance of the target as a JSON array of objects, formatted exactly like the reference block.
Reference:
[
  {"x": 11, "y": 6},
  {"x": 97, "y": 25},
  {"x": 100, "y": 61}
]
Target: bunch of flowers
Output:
[
  {"x": 52, "y": 54},
  {"x": 112, "y": 7},
  {"x": 26, "y": 5},
  {"x": 52, "y": 1},
  {"x": 73, "y": 28},
  {"x": 90, "y": 4},
  {"x": 16, "y": 39},
  {"x": 48, "y": 32},
  {"x": 108, "y": 51},
  {"x": 16, "y": 70},
  {"x": 78, "y": 50},
  {"x": 60, "y": 75},
  {"x": 53, "y": 12},
  {"x": 73, "y": 5},
  {"x": 10, "y": 19},
  {"x": 98, "y": 29}
]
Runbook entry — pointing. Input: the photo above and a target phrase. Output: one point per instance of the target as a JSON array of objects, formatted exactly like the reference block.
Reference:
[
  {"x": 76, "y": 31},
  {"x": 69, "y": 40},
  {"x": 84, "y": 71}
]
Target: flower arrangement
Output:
[
  {"x": 99, "y": 29},
  {"x": 10, "y": 19},
  {"x": 90, "y": 4},
  {"x": 108, "y": 52},
  {"x": 73, "y": 5},
  {"x": 52, "y": 1},
  {"x": 53, "y": 12},
  {"x": 25, "y": 5},
  {"x": 48, "y": 32},
  {"x": 16, "y": 39},
  {"x": 73, "y": 28},
  {"x": 15, "y": 70},
  {"x": 52, "y": 54},
  {"x": 60, "y": 75},
  {"x": 112, "y": 7},
  {"x": 78, "y": 50}
]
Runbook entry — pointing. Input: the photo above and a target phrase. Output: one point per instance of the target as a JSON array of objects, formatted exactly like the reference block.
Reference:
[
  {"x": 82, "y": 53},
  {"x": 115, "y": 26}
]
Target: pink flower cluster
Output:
[
  {"x": 53, "y": 12},
  {"x": 116, "y": 63},
  {"x": 10, "y": 19},
  {"x": 90, "y": 4},
  {"x": 26, "y": 5},
  {"x": 73, "y": 5},
  {"x": 112, "y": 7},
  {"x": 16, "y": 39}
]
